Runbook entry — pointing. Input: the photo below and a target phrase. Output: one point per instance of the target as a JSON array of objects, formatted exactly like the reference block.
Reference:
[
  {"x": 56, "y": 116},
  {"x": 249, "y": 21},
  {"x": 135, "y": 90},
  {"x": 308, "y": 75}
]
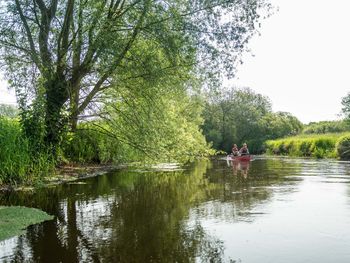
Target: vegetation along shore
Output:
[{"x": 331, "y": 145}]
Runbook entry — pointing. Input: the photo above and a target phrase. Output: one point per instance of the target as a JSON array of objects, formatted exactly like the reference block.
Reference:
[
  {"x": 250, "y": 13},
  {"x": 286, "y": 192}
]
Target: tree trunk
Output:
[
  {"x": 74, "y": 104},
  {"x": 56, "y": 96}
]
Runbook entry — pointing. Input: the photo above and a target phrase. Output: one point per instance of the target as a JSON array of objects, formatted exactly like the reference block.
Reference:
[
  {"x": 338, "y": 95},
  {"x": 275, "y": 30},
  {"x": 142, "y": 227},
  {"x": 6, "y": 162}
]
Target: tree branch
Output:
[
  {"x": 118, "y": 60},
  {"x": 33, "y": 53},
  {"x": 63, "y": 42}
]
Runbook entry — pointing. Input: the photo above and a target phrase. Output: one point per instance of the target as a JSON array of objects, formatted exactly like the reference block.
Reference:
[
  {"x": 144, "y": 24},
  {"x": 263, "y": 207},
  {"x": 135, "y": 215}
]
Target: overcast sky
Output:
[
  {"x": 301, "y": 59},
  {"x": 6, "y": 96}
]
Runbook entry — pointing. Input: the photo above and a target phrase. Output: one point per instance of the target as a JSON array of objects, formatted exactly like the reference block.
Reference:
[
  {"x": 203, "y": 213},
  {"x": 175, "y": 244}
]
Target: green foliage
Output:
[
  {"x": 318, "y": 146},
  {"x": 167, "y": 130},
  {"x": 63, "y": 55},
  {"x": 134, "y": 67},
  {"x": 91, "y": 144},
  {"x": 132, "y": 129},
  {"x": 17, "y": 161},
  {"x": 326, "y": 127},
  {"x": 280, "y": 124},
  {"x": 343, "y": 147},
  {"x": 14, "y": 219},
  {"x": 239, "y": 116}
]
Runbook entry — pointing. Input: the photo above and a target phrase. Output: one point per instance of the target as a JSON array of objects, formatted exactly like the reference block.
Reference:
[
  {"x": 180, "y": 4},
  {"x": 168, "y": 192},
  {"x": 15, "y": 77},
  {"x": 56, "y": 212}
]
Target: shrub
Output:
[{"x": 343, "y": 147}]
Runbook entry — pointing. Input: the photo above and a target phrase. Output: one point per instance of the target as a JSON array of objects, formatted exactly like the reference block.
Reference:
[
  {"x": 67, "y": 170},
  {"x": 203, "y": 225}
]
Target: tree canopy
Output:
[{"x": 63, "y": 56}]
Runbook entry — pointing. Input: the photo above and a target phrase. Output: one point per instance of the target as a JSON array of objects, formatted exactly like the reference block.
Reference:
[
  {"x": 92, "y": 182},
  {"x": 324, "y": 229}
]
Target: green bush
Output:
[{"x": 343, "y": 147}]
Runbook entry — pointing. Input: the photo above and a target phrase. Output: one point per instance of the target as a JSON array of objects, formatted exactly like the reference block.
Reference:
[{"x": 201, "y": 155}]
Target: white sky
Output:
[
  {"x": 6, "y": 96},
  {"x": 301, "y": 59}
]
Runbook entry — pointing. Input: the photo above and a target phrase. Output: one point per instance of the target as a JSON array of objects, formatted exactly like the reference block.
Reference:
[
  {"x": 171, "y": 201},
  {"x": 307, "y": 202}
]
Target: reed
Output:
[{"x": 17, "y": 164}]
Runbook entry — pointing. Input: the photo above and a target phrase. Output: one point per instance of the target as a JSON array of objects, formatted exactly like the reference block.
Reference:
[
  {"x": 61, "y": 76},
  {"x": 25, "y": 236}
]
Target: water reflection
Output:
[
  {"x": 126, "y": 217},
  {"x": 179, "y": 216},
  {"x": 239, "y": 166}
]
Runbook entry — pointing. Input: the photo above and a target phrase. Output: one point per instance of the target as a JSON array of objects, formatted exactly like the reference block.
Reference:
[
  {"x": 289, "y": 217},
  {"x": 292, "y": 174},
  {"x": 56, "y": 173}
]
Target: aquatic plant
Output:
[{"x": 14, "y": 219}]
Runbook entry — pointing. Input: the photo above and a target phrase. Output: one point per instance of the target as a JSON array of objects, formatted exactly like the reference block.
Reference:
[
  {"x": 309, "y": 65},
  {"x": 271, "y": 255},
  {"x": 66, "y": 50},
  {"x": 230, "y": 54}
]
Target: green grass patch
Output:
[
  {"x": 14, "y": 219},
  {"x": 307, "y": 145}
]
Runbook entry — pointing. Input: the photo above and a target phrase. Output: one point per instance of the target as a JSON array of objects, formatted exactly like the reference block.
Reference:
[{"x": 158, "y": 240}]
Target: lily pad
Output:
[{"x": 14, "y": 219}]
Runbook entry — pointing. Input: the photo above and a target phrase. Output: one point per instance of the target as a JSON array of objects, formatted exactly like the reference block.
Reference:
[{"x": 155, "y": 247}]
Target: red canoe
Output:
[{"x": 244, "y": 158}]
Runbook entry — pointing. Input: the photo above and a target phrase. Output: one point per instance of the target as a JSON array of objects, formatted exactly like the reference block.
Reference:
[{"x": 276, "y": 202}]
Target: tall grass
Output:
[
  {"x": 318, "y": 146},
  {"x": 17, "y": 164}
]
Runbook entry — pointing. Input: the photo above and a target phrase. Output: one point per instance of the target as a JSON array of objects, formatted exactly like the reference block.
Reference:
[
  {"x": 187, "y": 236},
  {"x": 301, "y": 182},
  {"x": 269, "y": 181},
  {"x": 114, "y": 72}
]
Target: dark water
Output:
[{"x": 269, "y": 210}]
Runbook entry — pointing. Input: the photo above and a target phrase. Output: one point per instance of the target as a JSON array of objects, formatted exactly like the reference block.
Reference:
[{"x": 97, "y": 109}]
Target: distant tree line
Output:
[
  {"x": 335, "y": 126},
  {"x": 241, "y": 115},
  {"x": 326, "y": 127}
]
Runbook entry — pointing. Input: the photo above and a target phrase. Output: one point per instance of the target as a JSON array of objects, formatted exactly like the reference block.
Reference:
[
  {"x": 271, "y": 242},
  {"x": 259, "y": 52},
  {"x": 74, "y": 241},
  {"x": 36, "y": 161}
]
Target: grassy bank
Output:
[
  {"x": 20, "y": 164},
  {"x": 23, "y": 163},
  {"x": 331, "y": 145}
]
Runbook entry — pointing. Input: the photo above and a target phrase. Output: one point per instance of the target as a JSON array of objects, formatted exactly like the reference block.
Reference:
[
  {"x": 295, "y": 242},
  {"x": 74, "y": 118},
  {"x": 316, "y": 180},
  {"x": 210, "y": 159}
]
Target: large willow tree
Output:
[{"x": 63, "y": 56}]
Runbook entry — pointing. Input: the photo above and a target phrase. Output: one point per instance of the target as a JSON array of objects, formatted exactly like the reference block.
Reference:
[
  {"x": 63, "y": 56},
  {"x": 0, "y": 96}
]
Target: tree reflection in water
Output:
[{"x": 134, "y": 216}]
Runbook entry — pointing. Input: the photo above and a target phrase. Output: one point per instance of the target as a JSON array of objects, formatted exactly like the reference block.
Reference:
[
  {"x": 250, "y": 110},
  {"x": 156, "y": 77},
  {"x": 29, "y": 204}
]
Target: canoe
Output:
[{"x": 244, "y": 158}]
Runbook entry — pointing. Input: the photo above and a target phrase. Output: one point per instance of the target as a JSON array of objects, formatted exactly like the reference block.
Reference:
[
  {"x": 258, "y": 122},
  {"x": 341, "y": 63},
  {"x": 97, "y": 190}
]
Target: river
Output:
[{"x": 269, "y": 210}]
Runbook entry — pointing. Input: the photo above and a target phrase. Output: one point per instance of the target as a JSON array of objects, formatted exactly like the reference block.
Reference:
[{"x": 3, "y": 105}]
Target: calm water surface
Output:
[{"x": 268, "y": 210}]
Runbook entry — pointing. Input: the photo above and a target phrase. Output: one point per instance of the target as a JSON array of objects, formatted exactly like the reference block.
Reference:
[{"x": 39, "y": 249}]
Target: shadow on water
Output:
[{"x": 131, "y": 216}]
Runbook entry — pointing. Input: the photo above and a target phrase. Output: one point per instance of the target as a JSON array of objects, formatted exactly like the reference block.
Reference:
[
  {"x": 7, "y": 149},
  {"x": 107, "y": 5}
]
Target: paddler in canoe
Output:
[
  {"x": 244, "y": 150},
  {"x": 235, "y": 151},
  {"x": 240, "y": 155}
]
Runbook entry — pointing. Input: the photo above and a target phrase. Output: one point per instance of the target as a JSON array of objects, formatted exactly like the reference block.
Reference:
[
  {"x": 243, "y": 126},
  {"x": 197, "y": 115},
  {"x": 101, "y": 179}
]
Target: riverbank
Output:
[
  {"x": 14, "y": 219},
  {"x": 331, "y": 145},
  {"x": 63, "y": 174},
  {"x": 73, "y": 172}
]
